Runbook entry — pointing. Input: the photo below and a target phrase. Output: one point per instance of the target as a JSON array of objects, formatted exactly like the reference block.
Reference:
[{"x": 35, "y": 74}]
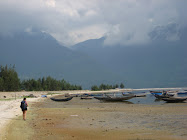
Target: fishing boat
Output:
[
  {"x": 62, "y": 100},
  {"x": 88, "y": 97},
  {"x": 175, "y": 99},
  {"x": 133, "y": 94},
  {"x": 182, "y": 92},
  {"x": 127, "y": 94},
  {"x": 156, "y": 92},
  {"x": 142, "y": 95},
  {"x": 151, "y": 91},
  {"x": 113, "y": 98},
  {"x": 163, "y": 96}
]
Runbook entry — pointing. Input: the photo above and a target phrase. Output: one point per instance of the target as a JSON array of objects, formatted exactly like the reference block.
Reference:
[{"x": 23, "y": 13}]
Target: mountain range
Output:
[
  {"x": 159, "y": 63},
  {"x": 39, "y": 54}
]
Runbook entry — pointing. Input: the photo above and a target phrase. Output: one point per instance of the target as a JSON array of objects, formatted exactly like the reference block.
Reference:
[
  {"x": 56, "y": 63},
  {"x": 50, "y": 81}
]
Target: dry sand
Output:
[
  {"x": 92, "y": 119},
  {"x": 10, "y": 110}
]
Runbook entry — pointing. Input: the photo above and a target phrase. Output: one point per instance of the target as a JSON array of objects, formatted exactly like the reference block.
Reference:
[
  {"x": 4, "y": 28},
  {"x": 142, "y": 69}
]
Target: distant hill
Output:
[
  {"x": 38, "y": 54},
  {"x": 161, "y": 63}
]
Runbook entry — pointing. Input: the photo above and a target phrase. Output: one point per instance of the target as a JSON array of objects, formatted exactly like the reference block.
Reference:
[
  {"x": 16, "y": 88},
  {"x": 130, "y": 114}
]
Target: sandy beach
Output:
[
  {"x": 10, "y": 110},
  {"x": 91, "y": 119},
  {"x": 10, "y": 102}
]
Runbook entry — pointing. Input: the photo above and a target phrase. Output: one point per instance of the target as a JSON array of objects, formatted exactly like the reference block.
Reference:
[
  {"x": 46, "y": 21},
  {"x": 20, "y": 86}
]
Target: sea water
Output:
[{"x": 149, "y": 99}]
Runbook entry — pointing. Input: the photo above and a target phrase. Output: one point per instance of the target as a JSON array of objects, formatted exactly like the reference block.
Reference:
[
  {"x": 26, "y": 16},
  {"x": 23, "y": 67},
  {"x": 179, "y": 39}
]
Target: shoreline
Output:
[{"x": 19, "y": 94}]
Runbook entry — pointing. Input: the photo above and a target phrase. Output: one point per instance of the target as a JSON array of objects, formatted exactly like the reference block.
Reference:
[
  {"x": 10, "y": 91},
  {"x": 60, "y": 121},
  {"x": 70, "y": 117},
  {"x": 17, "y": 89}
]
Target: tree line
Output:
[
  {"x": 9, "y": 81},
  {"x": 106, "y": 86},
  {"x": 48, "y": 84}
]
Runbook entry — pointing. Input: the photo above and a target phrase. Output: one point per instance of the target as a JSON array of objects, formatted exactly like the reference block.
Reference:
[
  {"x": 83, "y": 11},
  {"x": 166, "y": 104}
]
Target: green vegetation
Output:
[
  {"x": 9, "y": 81},
  {"x": 122, "y": 85},
  {"x": 48, "y": 84},
  {"x": 106, "y": 87}
]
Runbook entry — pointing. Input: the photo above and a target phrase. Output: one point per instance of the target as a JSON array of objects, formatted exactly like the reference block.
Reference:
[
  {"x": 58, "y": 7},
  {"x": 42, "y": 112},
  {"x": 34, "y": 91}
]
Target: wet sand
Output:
[{"x": 91, "y": 119}]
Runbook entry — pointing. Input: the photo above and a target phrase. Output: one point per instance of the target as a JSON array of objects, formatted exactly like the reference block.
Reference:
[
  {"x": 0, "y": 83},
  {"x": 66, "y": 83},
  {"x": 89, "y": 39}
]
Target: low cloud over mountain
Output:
[{"x": 124, "y": 22}]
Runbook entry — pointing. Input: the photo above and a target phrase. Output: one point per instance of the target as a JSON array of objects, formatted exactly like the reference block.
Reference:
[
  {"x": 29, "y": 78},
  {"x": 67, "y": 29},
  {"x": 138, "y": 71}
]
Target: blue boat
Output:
[
  {"x": 157, "y": 93},
  {"x": 182, "y": 93}
]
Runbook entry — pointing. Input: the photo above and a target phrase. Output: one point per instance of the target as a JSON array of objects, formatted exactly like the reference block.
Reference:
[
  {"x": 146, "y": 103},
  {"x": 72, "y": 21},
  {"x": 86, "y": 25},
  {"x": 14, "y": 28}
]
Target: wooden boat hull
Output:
[
  {"x": 174, "y": 100},
  {"x": 61, "y": 100},
  {"x": 163, "y": 96},
  {"x": 140, "y": 95},
  {"x": 114, "y": 99},
  {"x": 155, "y": 91},
  {"x": 86, "y": 98},
  {"x": 128, "y": 94},
  {"x": 182, "y": 93}
]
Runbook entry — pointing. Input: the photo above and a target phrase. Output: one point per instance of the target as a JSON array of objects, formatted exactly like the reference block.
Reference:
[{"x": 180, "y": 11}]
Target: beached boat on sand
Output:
[
  {"x": 86, "y": 97},
  {"x": 182, "y": 92},
  {"x": 164, "y": 96},
  {"x": 62, "y": 100},
  {"x": 142, "y": 95},
  {"x": 175, "y": 99},
  {"x": 156, "y": 92},
  {"x": 151, "y": 91},
  {"x": 133, "y": 94},
  {"x": 113, "y": 98},
  {"x": 126, "y": 94}
]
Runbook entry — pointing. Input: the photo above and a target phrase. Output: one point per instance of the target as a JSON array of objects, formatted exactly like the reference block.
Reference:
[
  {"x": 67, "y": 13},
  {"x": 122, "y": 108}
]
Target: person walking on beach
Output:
[{"x": 24, "y": 106}]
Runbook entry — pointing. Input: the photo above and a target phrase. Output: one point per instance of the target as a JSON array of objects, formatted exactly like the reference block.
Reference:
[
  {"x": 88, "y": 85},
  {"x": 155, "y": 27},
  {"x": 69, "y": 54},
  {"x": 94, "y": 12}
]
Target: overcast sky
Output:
[{"x": 73, "y": 21}]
